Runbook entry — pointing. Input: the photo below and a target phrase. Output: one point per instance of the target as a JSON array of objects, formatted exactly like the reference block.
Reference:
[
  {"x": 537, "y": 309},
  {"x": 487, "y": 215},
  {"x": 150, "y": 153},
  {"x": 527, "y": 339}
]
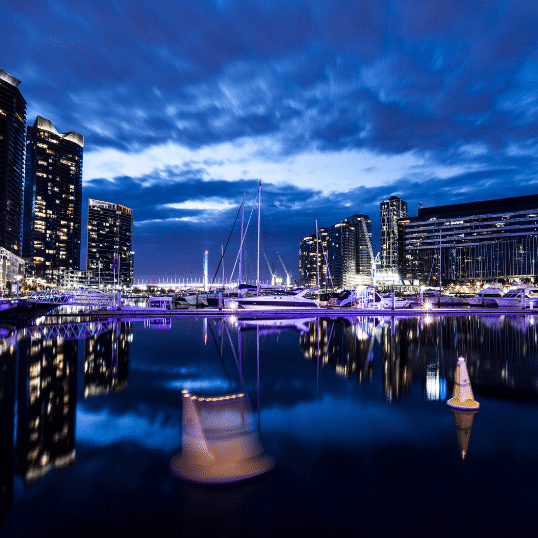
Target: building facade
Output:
[
  {"x": 52, "y": 200},
  {"x": 341, "y": 250},
  {"x": 488, "y": 240},
  {"x": 364, "y": 254},
  {"x": 110, "y": 243},
  {"x": 312, "y": 260},
  {"x": 391, "y": 210},
  {"x": 12, "y": 142}
]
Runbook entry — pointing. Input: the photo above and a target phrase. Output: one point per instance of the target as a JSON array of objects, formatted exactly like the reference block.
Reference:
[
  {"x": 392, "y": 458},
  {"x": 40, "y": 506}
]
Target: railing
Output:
[
  {"x": 80, "y": 297},
  {"x": 70, "y": 331}
]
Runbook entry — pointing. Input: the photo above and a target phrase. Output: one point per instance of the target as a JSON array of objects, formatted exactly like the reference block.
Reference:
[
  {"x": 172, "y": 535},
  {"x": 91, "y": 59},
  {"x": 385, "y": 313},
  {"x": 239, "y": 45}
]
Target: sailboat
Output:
[{"x": 282, "y": 298}]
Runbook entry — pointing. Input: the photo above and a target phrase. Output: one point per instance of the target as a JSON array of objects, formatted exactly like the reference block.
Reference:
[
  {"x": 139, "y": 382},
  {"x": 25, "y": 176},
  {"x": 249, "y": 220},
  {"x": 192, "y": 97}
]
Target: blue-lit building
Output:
[{"x": 487, "y": 240}]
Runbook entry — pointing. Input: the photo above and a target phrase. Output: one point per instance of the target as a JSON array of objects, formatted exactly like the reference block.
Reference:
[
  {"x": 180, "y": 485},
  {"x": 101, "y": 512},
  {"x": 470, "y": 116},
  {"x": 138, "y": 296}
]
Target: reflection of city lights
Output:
[
  {"x": 232, "y": 320},
  {"x": 428, "y": 319}
]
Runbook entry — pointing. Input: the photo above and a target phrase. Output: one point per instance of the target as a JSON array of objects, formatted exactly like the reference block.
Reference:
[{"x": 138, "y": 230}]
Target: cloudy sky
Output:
[{"x": 333, "y": 105}]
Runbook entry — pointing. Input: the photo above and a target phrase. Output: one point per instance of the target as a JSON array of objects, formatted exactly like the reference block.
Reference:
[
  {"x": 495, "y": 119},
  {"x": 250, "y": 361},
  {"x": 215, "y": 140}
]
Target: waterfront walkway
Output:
[{"x": 135, "y": 313}]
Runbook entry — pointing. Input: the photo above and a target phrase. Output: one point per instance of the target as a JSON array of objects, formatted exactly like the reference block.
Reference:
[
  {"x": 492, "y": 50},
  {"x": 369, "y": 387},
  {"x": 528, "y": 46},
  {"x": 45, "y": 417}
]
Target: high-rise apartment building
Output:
[
  {"x": 342, "y": 255},
  {"x": 110, "y": 243},
  {"x": 12, "y": 129},
  {"x": 364, "y": 254},
  {"x": 391, "y": 210},
  {"x": 312, "y": 259},
  {"x": 52, "y": 199}
]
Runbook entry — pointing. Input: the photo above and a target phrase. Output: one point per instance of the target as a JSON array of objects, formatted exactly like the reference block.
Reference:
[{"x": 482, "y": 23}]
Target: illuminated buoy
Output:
[
  {"x": 462, "y": 397},
  {"x": 221, "y": 443},
  {"x": 464, "y": 424}
]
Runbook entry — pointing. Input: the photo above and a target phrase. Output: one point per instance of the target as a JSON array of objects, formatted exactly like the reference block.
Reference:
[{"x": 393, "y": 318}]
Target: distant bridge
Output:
[{"x": 69, "y": 296}]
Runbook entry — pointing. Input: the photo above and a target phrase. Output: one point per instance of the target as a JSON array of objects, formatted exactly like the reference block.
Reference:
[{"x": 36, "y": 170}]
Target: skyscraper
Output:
[
  {"x": 312, "y": 256},
  {"x": 342, "y": 254},
  {"x": 110, "y": 242},
  {"x": 364, "y": 255},
  {"x": 52, "y": 199},
  {"x": 12, "y": 129},
  {"x": 391, "y": 210}
]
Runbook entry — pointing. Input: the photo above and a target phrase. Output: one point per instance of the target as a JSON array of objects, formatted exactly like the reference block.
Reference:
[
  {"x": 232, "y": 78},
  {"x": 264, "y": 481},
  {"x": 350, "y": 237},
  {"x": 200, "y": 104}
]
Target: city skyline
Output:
[{"x": 334, "y": 106}]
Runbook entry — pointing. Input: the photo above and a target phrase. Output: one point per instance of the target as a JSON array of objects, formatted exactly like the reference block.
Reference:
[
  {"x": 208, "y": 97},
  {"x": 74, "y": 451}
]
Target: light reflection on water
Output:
[{"x": 318, "y": 386}]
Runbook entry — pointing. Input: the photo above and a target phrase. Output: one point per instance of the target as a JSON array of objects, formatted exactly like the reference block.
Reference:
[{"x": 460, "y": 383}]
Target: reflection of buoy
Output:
[
  {"x": 462, "y": 398},
  {"x": 464, "y": 425},
  {"x": 220, "y": 441}
]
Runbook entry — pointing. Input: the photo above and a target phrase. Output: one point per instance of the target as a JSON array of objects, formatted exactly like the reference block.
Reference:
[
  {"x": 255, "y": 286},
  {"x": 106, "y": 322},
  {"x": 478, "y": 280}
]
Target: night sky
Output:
[{"x": 333, "y": 105}]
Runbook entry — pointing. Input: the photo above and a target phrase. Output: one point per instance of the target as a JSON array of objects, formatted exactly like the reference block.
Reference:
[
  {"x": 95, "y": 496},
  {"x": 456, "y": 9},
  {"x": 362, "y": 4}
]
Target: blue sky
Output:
[{"x": 333, "y": 105}]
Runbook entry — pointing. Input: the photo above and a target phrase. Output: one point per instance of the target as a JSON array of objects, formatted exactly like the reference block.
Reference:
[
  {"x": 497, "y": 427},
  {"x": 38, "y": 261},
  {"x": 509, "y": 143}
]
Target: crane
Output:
[
  {"x": 288, "y": 275},
  {"x": 273, "y": 274}
]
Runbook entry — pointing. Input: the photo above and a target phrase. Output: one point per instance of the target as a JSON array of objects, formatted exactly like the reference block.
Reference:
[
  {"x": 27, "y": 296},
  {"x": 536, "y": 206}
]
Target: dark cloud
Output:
[{"x": 426, "y": 77}]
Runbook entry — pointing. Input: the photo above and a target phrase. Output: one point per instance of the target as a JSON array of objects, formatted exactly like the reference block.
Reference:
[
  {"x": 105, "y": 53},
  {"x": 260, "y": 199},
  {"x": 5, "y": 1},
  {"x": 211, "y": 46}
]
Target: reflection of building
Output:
[
  {"x": 12, "y": 128},
  {"x": 8, "y": 369},
  {"x": 391, "y": 210},
  {"x": 106, "y": 361},
  {"x": 46, "y": 406},
  {"x": 312, "y": 255},
  {"x": 348, "y": 348},
  {"x": 52, "y": 199},
  {"x": 396, "y": 370},
  {"x": 110, "y": 242},
  {"x": 478, "y": 240}
]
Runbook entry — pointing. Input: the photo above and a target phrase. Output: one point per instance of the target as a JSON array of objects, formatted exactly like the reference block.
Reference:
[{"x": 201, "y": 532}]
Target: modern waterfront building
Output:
[
  {"x": 341, "y": 254},
  {"x": 12, "y": 131},
  {"x": 494, "y": 239},
  {"x": 391, "y": 210},
  {"x": 12, "y": 267},
  {"x": 364, "y": 255},
  {"x": 312, "y": 259},
  {"x": 52, "y": 200},
  {"x": 110, "y": 243}
]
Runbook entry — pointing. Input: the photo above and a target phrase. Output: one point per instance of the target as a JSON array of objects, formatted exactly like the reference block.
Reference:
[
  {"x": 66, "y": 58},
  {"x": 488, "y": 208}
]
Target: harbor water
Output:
[{"x": 305, "y": 427}]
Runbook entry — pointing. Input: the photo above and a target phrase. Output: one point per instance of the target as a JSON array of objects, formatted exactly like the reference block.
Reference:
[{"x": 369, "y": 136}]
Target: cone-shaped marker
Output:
[
  {"x": 462, "y": 397},
  {"x": 464, "y": 425}
]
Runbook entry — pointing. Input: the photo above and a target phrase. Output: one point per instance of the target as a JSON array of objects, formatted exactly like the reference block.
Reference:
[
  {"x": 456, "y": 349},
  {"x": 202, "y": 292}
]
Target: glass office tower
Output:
[{"x": 487, "y": 240}]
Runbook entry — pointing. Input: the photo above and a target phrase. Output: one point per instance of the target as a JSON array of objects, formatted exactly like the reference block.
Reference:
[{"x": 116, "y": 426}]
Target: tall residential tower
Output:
[
  {"x": 110, "y": 243},
  {"x": 391, "y": 210},
  {"x": 12, "y": 129},
  {"x": 52, "y": 199}
]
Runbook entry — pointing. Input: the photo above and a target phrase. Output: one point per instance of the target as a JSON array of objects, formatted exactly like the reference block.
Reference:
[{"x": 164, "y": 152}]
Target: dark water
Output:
[{"x": 352, "y": 412}]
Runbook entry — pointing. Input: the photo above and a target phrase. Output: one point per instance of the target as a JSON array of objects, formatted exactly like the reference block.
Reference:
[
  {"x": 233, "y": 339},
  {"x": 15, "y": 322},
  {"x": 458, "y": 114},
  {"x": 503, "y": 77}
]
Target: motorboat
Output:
[
  {"x": 437, "y": 298},
  {"x": 524, "y": 297},
  {"x": 486, "y": 297},
  {"x": 285, "y": 299}
]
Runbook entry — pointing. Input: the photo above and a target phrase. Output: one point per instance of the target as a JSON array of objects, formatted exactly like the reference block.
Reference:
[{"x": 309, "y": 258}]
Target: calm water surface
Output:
[{"x": 351, "y": 411}]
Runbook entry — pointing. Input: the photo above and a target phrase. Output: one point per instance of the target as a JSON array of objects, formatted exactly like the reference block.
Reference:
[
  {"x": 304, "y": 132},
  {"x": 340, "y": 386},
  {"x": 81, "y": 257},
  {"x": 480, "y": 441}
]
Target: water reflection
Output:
[
  {"x": 464, "y": 424},
  {"x": 500, "y": 351},
  {"x": 46, "y": 406},
  {"x": 106, "y": 360},
  {"x": 221, "y": 443}
]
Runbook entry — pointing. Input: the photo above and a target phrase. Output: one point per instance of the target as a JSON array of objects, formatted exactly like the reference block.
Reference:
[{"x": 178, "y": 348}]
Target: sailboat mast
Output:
[
  {"x": 317, "y": 253},
  {"x": 258, "y": 257}
]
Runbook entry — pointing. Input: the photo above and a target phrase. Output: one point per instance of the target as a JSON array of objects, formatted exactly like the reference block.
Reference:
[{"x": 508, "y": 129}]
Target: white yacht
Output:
[
  {"x": 524, "y": 297},
  {"x": 487, "y": 296},
  {"x": 296, "y": 299}
]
